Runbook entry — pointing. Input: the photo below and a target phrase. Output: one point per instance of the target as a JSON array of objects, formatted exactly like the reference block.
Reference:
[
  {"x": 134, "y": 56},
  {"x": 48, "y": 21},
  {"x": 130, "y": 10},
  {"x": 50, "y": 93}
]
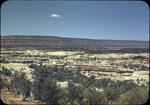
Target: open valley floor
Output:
[{"x": 79, "y": 67}]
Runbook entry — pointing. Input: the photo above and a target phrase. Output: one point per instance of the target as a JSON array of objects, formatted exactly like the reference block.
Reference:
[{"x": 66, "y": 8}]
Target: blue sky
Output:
[{"x": 116, "y": 20}]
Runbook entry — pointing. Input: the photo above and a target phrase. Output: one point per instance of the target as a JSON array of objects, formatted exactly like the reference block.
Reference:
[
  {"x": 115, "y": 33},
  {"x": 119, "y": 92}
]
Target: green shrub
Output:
[
  {"x": 47, "y": 91},
  {"x": 3, "y": 61},
  {"x": 95, "y": 97},
  {"x": 45, "y": 88},
  {"x": 6, "y": 71},
  {"x": 134, "y": 96},
  {"x": 21, "y": 85},
  {"x": 114, "y": 89},
  {"x": 33, "y": 66},
  {"x": 74, "y": 92},
  {"x": 2, "y": 85}
]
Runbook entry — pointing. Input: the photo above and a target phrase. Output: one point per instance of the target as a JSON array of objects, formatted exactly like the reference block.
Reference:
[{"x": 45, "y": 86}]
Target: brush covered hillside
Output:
[{"x": 59, "y": 42}]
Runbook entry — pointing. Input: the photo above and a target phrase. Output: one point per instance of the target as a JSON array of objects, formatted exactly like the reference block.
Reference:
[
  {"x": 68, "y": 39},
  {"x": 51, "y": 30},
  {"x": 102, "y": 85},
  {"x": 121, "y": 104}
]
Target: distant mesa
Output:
[{"x": 18, "y": 41}]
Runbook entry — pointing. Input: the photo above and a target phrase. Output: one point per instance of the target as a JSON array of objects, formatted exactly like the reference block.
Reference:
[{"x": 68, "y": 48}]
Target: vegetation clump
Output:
[
  {"x": 6, "y": 71},
  {"x": 80, "y": 89},
  {"x": 21, "y": 85},
  {"x": 3, "y": 61}
]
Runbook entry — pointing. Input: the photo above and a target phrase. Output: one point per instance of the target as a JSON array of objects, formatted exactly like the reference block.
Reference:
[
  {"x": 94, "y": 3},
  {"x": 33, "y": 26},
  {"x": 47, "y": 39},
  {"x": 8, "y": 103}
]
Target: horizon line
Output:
[{"x": 75, "y": 38}]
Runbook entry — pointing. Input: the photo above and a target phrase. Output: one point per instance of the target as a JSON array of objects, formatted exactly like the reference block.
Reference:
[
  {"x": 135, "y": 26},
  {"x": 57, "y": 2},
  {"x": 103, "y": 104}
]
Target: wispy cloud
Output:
[{"x": 55, "y": 15}]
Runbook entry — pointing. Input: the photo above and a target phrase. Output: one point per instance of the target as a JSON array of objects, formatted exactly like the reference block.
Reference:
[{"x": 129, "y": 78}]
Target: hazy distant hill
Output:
[{"x": 59, "y": 42}]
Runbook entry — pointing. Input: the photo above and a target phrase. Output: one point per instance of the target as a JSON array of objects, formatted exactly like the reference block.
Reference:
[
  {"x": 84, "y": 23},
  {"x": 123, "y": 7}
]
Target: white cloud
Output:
[{"x": 55, "y": 16}]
